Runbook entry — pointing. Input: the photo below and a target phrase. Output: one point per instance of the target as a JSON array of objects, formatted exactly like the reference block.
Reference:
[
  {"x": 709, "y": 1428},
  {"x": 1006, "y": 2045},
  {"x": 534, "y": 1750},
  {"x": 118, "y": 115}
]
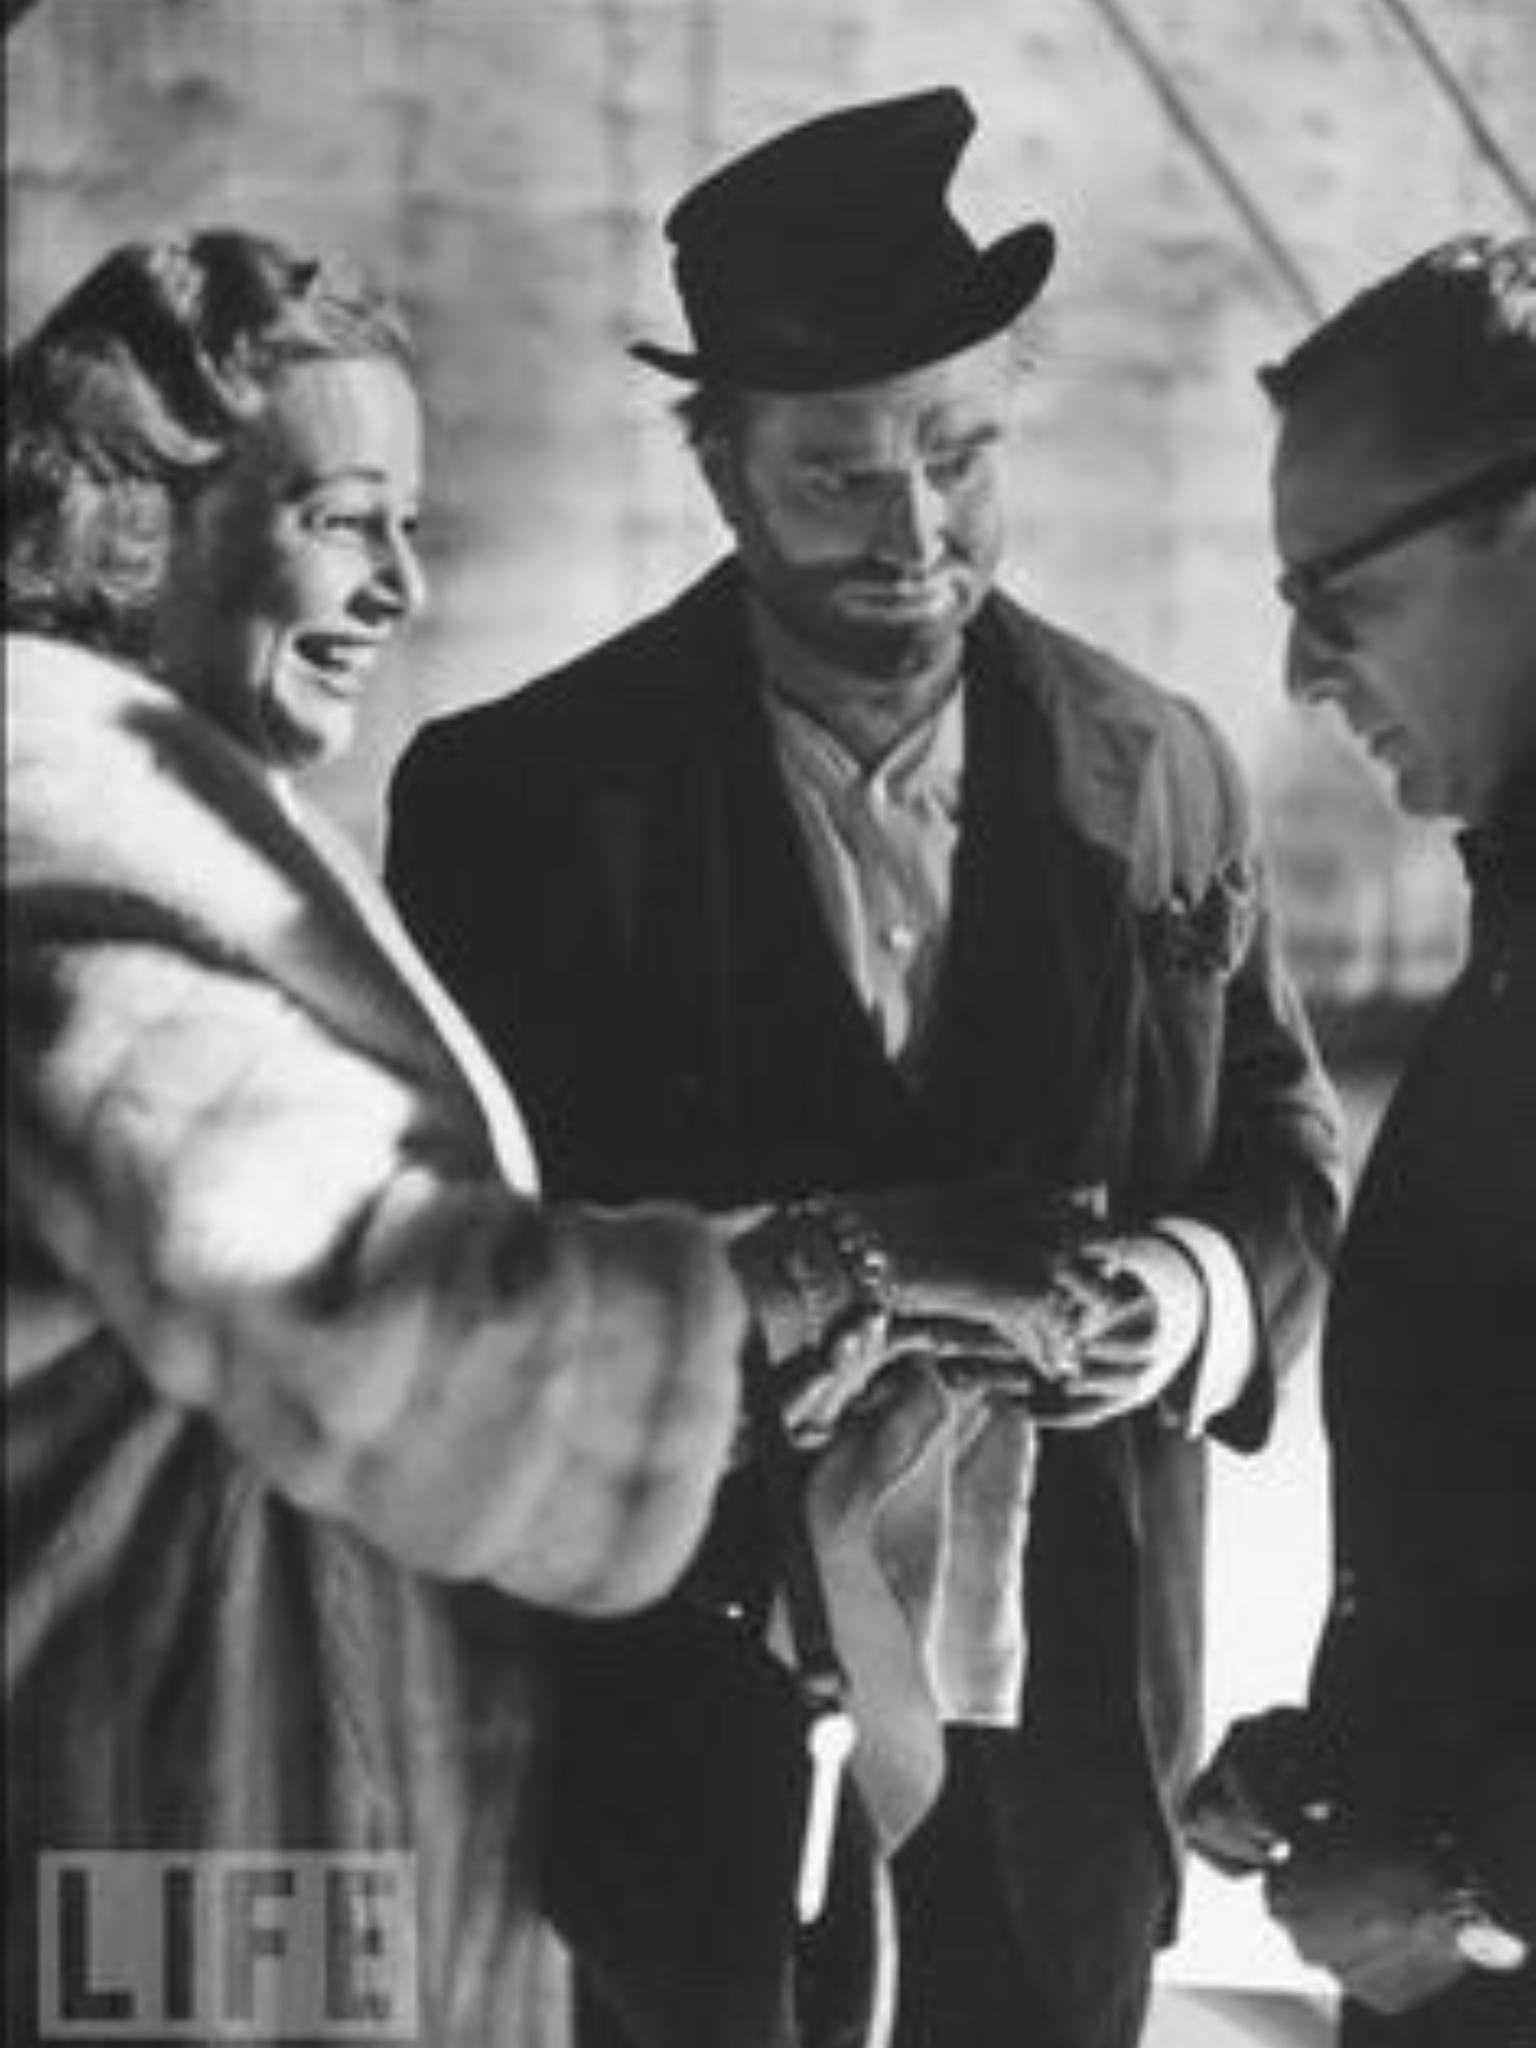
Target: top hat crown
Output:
[{"x": 828, "y": 256}]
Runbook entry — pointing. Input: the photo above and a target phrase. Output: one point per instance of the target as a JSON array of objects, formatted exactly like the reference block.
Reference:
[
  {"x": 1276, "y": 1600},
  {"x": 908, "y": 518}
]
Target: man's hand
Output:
[
  {"x": 1375, "y": 1914},
  {"x": 1393, "y": 1916},
  {"x": 1131, "y": 1311},
  {"x": 1263, "y": 1785}
]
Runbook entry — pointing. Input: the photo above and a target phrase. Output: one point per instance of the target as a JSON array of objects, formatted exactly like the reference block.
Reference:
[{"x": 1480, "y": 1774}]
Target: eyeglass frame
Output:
[{"x": 1302, "y": 583}]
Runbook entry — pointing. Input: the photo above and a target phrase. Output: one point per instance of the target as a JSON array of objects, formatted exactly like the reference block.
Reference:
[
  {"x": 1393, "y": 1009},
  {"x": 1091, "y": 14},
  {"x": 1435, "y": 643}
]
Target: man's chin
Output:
[
  {"x": 1418, "y": 790},
  {"x": 895, "y": 648}
]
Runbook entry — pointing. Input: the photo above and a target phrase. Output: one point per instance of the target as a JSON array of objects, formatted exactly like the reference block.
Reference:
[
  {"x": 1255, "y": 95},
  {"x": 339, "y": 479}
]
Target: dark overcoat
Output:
[{"x": 605, "y": 869}]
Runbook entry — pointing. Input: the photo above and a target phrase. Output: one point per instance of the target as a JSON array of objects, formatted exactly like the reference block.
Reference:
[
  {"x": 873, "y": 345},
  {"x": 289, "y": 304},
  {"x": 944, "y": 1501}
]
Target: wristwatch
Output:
[{"x": 1481, "y": 1940}]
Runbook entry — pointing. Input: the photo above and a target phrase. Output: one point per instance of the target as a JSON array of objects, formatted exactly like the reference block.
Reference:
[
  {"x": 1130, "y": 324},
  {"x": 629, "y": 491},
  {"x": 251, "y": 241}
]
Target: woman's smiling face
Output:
[{"x": 294, "y": 567}]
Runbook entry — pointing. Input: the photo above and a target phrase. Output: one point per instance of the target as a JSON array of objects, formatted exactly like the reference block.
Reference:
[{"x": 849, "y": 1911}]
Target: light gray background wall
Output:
[{"x": 505, "y": 163}]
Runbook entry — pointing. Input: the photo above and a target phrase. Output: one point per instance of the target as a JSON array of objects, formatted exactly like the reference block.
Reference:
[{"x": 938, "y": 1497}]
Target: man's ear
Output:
[
  {"x": 1523, "y": 515},
  {"x": 720, "y": 461}
]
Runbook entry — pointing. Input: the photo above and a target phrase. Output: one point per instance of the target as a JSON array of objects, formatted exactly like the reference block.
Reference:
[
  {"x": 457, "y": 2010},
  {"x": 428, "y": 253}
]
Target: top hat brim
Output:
[{"x": 1004, "y": 280}]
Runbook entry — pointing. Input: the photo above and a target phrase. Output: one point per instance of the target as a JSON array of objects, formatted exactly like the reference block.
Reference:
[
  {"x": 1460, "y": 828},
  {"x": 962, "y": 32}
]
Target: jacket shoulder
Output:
[
  {"x": 1078, "y": 681},
  {"x": 1138, "y": 763},
  {"x": 621, "y": 696}
]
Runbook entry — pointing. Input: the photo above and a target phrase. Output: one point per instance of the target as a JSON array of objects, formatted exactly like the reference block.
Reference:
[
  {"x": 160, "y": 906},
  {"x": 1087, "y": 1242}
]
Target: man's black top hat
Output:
[{"x": 828, "y": 257}]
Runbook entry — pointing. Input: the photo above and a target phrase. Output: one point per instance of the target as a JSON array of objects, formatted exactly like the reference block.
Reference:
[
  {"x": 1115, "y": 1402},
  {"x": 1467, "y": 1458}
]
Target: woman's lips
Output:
[{"x": 339, "y": 660}]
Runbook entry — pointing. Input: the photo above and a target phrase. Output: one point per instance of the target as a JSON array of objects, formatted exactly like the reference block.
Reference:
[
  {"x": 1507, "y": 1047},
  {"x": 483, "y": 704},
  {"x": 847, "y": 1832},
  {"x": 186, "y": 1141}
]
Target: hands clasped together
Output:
[{"x": 986, "y": 1286}]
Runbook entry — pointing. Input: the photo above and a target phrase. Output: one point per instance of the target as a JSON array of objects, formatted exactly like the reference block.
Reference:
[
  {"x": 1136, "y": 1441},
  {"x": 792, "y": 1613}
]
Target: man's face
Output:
[
  {"x": 1428, "y": 647},
  {"x": 294, "y": 567},
  {"x": 870, "y": 521}
]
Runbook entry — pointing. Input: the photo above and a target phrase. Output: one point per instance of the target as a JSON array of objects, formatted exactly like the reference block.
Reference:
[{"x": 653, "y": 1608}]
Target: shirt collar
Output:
[{"x": 922, "y": 768}]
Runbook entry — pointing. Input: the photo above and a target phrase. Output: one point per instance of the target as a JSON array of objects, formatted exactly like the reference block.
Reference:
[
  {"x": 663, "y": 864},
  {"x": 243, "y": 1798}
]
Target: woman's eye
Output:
[{"x": 340, "y": 520}]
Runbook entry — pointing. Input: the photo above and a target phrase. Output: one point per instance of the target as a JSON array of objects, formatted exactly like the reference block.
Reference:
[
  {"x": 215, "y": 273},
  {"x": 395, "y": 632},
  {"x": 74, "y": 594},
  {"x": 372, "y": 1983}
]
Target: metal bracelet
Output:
[
  {"x": 866, "y": 1258},
  {"x": 836, "y": 1264}
]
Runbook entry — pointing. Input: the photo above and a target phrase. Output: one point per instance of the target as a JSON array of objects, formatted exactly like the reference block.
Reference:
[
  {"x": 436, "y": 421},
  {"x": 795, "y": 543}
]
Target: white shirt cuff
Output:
[{"x": 1228, "y": 1349}]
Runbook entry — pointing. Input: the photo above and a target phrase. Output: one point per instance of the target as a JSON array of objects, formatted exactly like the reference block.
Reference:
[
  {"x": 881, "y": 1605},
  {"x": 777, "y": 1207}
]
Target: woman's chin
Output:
[{"x": 310, "y": 735}]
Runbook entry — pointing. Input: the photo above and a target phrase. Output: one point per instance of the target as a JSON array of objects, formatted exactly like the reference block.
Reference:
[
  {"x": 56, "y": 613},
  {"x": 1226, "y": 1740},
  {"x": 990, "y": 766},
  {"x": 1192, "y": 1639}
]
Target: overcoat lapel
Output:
[
  {"x": 796, "y": 1067},
  {"x": 1033, "y": 999}
]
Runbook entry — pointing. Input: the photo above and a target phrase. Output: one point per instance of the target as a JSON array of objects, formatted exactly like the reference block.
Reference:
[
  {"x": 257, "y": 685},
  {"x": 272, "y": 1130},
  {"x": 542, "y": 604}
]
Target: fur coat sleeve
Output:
[{"x": 250, "y": 1139}]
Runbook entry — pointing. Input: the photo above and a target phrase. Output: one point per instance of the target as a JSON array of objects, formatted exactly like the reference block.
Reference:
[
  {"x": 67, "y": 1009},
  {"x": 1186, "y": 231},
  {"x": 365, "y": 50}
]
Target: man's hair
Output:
[
  {"x": 1450, "y": 341},
  {"x": 132, "y": 392},
  {"x": 710, "y": 412}
]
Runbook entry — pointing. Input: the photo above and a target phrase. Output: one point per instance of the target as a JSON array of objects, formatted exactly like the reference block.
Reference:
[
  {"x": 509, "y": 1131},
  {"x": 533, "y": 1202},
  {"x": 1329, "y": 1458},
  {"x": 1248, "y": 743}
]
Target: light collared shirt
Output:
[{"x": 880, "y": 842}]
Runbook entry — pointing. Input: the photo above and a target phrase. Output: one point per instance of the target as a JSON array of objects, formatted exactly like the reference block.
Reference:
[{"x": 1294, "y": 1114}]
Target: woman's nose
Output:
[{"x": 399, "y": 578}]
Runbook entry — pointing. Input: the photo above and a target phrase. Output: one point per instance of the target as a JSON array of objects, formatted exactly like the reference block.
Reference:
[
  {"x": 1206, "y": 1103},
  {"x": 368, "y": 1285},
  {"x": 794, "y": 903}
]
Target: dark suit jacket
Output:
[
  {"x": 1426, "y": 1683},
  {"x": 605, "y": 870}
]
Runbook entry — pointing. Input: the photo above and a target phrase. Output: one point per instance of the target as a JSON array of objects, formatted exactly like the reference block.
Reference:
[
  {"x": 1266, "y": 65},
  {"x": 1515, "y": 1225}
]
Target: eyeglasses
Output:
[{"x": 1304, "y": 585}]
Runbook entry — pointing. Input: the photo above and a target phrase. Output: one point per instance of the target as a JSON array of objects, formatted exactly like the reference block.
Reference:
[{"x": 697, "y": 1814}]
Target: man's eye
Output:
[
  {"x": 840, "y": 485},
  {"x": 945, "y": 471}
]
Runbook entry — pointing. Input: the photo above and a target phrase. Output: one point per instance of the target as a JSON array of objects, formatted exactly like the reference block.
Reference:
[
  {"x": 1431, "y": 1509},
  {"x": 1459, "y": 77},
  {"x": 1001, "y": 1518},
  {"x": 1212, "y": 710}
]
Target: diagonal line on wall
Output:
[
  {"x": 1484, "y": 141},
  {"x": 1212, "y": 158}
]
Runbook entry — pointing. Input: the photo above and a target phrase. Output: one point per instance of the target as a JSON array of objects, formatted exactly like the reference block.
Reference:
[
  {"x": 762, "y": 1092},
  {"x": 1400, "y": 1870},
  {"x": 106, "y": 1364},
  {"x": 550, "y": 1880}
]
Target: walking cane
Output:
[{"x": 819, "y": 1673}]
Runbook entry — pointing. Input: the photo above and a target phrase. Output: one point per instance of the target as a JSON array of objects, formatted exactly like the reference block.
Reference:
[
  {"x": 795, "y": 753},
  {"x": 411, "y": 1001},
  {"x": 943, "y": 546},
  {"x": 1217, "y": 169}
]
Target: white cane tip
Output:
[{"x": 830, "y": 1738}]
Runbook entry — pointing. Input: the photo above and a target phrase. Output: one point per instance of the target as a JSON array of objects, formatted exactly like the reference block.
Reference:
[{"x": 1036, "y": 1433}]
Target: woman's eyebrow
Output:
[{"x": 305, "y": 482}]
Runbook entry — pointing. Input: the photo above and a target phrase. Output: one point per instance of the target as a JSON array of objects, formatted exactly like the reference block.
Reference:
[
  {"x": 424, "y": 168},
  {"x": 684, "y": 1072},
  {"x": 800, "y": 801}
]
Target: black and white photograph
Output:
[{"x": 770, "y": 1023}]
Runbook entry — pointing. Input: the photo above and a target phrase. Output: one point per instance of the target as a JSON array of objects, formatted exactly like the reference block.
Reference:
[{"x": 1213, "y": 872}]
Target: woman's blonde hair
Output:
[{"x": 131, "y": 393}]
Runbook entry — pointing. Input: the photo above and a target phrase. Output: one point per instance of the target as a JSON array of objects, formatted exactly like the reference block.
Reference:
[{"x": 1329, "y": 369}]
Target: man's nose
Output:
[
  {"x": 912, "y": 522},
  {"x": 1312, "y": 665}
]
